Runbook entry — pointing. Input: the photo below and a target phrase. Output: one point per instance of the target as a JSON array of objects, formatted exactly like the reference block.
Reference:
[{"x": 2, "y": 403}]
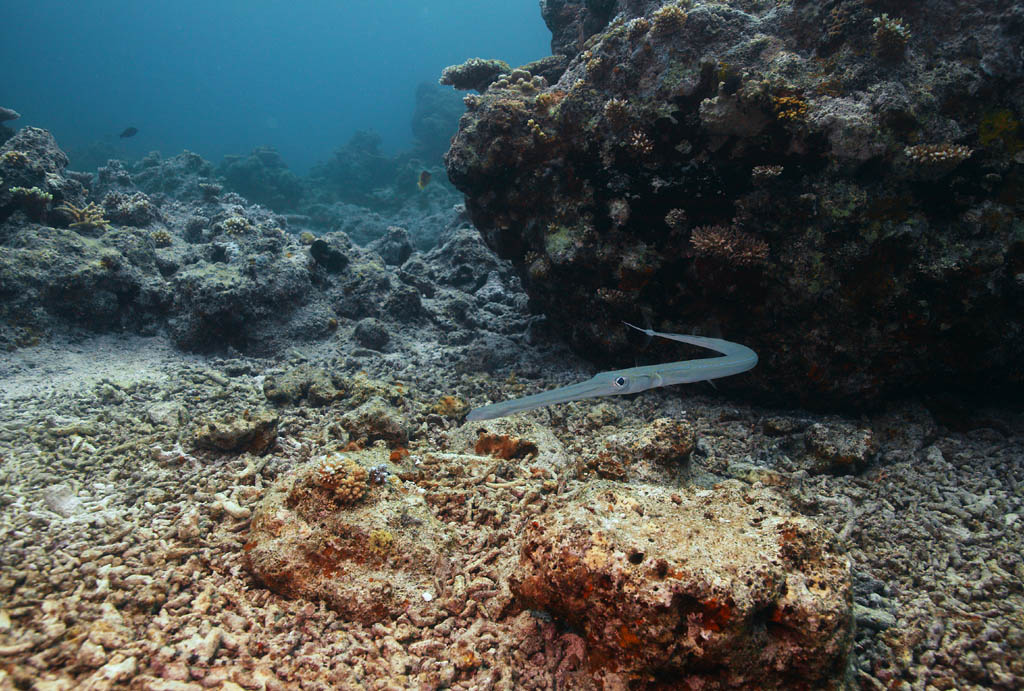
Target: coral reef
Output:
[
  {"x": 809, "y": 179},
  {"x": 218, "y": 273},
  {"x": 5, "y": 115},
  {"x": 31, "y": 160},
  {"x": 262, "y": 177},
  {"x": 180, "y": 177},
  {"x": 136, "y": 536},
  {"x": 32, "y": 200},
  {"x": 435, "y": 120}
]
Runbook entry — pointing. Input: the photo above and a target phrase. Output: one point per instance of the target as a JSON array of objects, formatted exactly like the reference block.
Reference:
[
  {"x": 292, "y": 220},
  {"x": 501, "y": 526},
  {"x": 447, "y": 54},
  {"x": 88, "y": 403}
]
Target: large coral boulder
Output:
[
  {"x": 339, "y": 531},
  {"x": 837, "y": 185},
  {"x": 709, "y": 589}
]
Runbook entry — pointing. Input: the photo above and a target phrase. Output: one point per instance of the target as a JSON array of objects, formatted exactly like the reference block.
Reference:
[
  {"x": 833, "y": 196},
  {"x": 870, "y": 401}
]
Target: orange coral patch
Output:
[
  {"x": 628, "y": 639},
  {"x": 504, "y": 446},
  {"x": 716, "y": 614}
]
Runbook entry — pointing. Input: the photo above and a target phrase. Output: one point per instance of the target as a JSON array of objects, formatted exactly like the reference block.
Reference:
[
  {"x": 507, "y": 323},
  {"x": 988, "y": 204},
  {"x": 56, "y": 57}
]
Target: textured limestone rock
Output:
[
  {"x": 324, "y": 532},
  {"x": 252, "y": 431},
  {"x": 721, "y": 588},
  {"x": 314, "y": 384},
  {"x": 839, "y": 448}
]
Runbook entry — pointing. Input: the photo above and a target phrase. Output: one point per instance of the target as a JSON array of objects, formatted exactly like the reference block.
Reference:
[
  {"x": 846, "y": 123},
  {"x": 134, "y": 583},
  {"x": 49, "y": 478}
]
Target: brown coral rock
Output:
[
  {"x": 376, "y": 419},
  {"x": 726, "y": 589},
  {"x": 504, "y": 446},
  {"x": 839, "y": 448},
  {"x": 252, "y": 431},
  {"x": 667, "y": 440},
  {"x": 368, "y": 556}
]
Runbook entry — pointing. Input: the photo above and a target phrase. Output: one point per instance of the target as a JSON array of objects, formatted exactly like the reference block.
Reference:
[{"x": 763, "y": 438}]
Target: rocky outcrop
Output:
[
  {"x": 714, "y": 589},
  {"x": 337, "y": 530},
  {"x": 836, "y": 185},
  {"x": 161, "y": 246}
]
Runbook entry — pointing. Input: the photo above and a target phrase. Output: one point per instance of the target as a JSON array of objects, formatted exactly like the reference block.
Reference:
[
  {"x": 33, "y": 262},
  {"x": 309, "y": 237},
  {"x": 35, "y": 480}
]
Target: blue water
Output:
[{"x": 224, "y": 76}]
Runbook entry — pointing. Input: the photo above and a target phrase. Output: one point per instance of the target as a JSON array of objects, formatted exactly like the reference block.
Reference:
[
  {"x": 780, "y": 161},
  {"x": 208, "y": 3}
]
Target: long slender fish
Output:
[{"x": 735, "y": 358}]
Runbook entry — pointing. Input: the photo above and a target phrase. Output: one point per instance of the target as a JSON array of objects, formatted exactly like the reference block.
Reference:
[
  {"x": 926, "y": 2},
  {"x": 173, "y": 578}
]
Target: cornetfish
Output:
[{"x": 735, "y": 358}]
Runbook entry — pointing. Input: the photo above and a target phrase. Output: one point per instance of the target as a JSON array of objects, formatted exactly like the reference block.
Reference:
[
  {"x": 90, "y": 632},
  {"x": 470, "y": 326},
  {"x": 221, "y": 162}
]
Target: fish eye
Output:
[{"x": 620, "y": 382}]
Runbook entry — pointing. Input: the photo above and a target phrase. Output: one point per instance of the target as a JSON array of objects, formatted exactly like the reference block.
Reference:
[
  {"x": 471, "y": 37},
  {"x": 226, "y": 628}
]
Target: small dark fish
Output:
[
  {"x": 424, "y": 179},
  {"x": 130, "y": 132}
]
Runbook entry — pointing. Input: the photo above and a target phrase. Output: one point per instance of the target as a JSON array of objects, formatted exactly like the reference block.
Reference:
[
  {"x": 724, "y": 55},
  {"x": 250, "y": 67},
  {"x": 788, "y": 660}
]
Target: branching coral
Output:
[
  {"x": 161, "y": 238},
  {"x": 891, "y": 36},
  {"x": 617, "y": 112},
  {"x": 236, "y": 225},
  {"x": 342, "y": 476},
  {"x": 762, "y": 175},
  {"x": 32, "y": 200},
  {"x": 668, "y": 21},
  {"x": 640, "y": 144},
  {"x": 729, "y": 244},
  {"x": 938, "y": 155},
  {"x": 89, "y": 217}
]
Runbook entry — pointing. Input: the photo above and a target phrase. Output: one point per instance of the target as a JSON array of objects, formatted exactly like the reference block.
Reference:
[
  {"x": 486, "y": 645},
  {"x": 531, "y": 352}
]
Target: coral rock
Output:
[
  {"x": 869, "y": 246},
  {"x": 839, "y": 448},
  {"x": 726, "y": 588},
  {"x": 375, "y": 420},
  {"x": 368, "y": 557},
  {"x": 252, "y": 432},
  {"x": 475, "y": 74}
]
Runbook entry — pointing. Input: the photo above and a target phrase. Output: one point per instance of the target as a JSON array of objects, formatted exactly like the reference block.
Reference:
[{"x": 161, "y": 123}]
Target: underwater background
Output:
[
  {"x": 225, "y": 77},
  {"x": 572, "y": 344}
]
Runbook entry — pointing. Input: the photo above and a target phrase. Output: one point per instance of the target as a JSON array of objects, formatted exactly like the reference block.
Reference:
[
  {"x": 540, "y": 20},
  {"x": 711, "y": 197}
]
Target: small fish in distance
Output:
[
  {"x": 130, "y": 132},
  {"x": 424, "y": 179}
]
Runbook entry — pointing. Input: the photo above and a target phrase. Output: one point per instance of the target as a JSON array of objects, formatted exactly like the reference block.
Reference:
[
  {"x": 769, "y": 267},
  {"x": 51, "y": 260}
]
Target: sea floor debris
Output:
[{"x": 124, "y": 559}]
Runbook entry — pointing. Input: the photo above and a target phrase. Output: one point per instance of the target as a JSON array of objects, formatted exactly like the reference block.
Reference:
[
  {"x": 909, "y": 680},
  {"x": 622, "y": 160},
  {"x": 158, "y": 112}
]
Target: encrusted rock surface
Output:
[
  {"x": 251, "y": 431},
  {"x": 160, "y": 247},
  {"x": 715, "y": 588},
  {"x": 367, "y": 549},
  {"x": 836, "y": 185}
]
